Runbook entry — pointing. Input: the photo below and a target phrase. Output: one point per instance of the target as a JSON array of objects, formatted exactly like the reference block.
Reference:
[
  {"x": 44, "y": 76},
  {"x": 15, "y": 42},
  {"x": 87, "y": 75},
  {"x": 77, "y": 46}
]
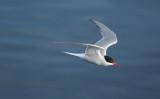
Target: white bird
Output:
[{"x": 97, "y": 53}]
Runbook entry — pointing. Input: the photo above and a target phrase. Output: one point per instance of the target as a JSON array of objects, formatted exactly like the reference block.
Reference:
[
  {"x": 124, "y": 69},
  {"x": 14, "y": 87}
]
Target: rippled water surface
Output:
[{"x": 33, "y": 68}]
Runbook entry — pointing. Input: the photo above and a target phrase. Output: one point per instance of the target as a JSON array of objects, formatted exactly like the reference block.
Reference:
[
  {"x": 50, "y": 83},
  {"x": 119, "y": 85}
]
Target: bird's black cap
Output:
[{"x": 108, "y": 59}]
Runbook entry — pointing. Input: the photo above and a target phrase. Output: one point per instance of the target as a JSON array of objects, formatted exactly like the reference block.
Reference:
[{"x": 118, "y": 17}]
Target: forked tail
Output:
[{"x": 81, "y": 55}]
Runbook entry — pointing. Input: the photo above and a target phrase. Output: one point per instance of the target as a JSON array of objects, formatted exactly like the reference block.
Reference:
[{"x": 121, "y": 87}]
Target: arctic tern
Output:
[{"x": 96, "y": 53}]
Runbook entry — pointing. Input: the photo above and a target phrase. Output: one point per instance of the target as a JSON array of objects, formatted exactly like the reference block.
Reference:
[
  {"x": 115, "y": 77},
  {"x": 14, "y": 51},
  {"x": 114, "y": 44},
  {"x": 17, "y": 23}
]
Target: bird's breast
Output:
[{"x": 95, "y": 59}]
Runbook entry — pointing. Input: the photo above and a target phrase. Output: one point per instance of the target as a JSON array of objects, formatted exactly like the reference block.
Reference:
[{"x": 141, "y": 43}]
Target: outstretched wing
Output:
[
  {"x": 109, "y": 37},
  {"x": 83, "y": 44},
  {"x": 90, "y": 50}
]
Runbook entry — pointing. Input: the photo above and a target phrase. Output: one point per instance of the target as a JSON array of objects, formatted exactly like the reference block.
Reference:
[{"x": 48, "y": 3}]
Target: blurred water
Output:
[{"x": 33, "y": 68}]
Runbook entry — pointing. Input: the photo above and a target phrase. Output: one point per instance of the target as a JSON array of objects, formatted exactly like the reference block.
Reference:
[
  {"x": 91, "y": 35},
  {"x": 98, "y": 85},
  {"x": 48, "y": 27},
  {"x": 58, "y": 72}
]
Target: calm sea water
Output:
[{"x": 33, "y": 68}]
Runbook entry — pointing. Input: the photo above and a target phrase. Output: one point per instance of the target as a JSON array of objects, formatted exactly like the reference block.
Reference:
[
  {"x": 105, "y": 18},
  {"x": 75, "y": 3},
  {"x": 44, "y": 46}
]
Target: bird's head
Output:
[{"x": 110, "y": 60}]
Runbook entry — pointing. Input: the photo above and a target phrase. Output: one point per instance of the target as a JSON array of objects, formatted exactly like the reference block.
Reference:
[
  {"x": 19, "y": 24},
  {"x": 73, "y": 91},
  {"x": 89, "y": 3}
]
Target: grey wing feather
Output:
[
  {"x": 83, "y": 44},
  {"x": 90, "y": 50},
  {"x": 109, "y": 37}
]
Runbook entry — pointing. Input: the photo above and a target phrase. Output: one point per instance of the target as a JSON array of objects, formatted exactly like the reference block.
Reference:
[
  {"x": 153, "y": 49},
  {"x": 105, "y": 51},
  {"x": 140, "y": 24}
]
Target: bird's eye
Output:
[{"x": 108, "y": 59}]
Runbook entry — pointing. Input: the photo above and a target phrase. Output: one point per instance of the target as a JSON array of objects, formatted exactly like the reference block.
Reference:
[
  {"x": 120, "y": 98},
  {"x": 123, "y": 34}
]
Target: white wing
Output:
[
  {"x": 109, "y": 37},
  {"x": 90, "y": 50},
  {"x": 83, "y": 44}
]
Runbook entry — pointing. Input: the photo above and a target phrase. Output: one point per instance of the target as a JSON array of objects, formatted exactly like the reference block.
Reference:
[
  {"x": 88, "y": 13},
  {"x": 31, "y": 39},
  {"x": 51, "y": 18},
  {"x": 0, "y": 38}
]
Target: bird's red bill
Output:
[{"x": 116, "y": 64}]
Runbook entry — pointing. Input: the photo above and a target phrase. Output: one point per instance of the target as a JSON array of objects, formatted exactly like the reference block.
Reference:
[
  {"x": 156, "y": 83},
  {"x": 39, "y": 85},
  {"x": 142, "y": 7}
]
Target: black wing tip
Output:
[
  {"x": 91, "y": 20},
  {"x": 94, "y": 21}
]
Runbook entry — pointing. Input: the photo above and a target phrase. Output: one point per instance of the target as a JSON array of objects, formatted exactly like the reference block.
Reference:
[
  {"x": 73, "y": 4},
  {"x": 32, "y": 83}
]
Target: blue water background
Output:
[{"x": 33, "y": 68}]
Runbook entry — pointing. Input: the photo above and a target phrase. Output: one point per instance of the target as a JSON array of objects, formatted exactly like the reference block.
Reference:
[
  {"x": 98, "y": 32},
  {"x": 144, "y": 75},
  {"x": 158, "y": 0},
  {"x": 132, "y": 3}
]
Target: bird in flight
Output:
[{"x": 96, "y": 53}]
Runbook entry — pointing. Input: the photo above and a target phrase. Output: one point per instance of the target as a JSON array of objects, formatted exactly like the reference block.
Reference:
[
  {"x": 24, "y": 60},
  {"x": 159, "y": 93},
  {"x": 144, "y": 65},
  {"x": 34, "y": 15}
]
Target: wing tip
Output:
[{"x": 92, "y": 20}]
